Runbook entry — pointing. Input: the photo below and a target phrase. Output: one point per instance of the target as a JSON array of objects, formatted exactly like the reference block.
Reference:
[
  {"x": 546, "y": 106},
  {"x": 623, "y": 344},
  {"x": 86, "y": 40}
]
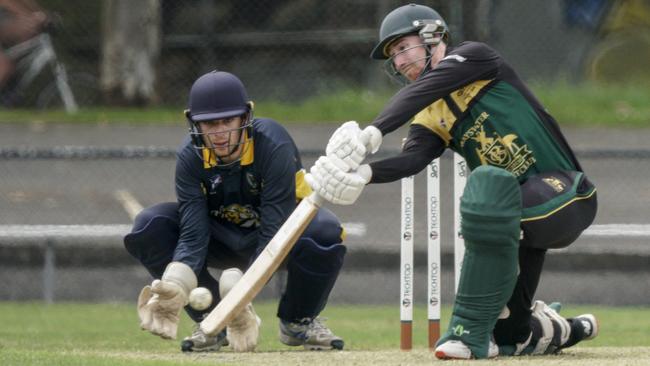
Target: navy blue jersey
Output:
[{"x": 255, "y": 195}]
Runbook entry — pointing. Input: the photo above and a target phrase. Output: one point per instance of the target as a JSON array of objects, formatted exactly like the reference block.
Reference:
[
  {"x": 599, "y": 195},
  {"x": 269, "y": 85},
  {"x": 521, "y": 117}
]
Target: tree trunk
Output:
[{"x": 130, "y": 51}]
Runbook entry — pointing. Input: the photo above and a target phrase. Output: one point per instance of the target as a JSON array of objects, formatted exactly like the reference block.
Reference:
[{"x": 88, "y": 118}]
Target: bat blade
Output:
[{"x": 263, "y": 267}]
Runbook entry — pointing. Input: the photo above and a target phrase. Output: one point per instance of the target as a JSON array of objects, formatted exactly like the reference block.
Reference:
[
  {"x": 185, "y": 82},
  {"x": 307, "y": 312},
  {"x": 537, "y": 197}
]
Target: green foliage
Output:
[{"x": 108, "y": 334}]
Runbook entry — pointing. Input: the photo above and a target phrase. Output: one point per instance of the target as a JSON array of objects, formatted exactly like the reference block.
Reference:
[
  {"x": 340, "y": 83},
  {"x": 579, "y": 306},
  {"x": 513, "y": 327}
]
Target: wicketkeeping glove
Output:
[{"x": 160, "y": 304}]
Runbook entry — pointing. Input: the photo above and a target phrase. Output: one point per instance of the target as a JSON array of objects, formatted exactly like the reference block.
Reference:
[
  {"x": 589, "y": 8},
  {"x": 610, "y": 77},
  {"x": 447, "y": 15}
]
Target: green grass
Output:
[
  {"x": 108, "y": 334},
  {"x": 591, "y": 105},
  {"x": 571, "y": 105}
]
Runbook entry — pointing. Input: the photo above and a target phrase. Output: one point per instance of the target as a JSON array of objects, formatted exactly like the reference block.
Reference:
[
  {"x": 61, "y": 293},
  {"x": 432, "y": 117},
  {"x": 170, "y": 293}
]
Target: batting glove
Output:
[
  {"x": 349, "y": 145},
  {"x": 336, "y": 185}
]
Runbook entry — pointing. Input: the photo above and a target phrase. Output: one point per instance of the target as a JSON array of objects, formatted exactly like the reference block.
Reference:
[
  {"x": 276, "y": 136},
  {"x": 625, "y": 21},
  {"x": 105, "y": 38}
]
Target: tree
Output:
[{"x": 130, "y": 51}]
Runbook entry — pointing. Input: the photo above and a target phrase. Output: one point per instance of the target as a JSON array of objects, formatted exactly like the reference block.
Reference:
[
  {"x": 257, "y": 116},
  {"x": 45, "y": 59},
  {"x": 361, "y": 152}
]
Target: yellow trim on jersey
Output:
[
  {"x": 247, "y": 155},
  {"x": 209, "y": 158},
  {"x": 248, "y": 152},
  {"x": 464, "y": 96},
  {"x": 302, "y": 188},
  {"x": 439, "y": 118},
  {"x": 559, "y": 208}
]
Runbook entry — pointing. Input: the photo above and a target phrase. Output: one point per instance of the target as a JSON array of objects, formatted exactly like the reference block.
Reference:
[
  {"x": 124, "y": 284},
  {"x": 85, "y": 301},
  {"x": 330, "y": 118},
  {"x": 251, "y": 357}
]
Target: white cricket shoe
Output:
[
  {"x": 457, "y": 350},
  {"x": 201, "y": 342},
  {"x": 310, "y": 333}
]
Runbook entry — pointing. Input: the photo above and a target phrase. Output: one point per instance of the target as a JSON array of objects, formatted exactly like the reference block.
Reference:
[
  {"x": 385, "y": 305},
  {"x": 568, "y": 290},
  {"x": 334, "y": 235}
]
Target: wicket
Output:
[{"x": 433, "y": 249}]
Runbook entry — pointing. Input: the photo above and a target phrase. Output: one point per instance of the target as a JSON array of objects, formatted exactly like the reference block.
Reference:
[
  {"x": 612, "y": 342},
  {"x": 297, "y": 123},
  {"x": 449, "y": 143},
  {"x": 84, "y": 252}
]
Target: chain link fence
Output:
[{"x": 291, "y": 50}]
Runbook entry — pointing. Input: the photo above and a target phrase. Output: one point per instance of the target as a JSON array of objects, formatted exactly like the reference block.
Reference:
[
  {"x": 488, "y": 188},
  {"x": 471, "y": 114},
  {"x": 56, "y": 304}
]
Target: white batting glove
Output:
[
  {"x": 336, "y": 185},
  {"x": 160, "y": 304},
  {"x": 349, "y": 145}
]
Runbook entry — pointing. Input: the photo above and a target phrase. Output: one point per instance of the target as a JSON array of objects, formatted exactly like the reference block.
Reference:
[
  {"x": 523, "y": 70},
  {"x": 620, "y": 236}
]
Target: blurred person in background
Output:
[
  {"x": 238, "y": 179},
  {"x": 20, "y": 20},
  {"x": 526, "y": 193}
]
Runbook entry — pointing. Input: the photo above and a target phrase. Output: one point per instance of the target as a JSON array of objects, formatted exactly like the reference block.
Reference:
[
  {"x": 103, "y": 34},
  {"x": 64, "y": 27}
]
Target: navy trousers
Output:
[{"x": 312, "y": 266}]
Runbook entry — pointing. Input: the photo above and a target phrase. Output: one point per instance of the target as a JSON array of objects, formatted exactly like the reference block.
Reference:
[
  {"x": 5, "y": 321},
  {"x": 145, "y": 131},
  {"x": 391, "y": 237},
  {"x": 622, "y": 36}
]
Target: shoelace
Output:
[
  {"x": 196, "y": 330},
  {"x": 318, "y": 327}
]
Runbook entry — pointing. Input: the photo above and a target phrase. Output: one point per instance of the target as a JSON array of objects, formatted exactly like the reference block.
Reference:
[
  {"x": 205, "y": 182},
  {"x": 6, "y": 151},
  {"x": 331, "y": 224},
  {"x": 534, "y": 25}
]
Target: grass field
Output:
[
  {"x": 571, "y": 105},
  {"x": 108, "y": 334}
]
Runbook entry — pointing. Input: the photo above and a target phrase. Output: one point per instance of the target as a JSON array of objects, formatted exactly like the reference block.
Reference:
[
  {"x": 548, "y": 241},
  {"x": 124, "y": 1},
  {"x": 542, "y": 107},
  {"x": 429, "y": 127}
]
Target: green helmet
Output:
[{"x": 409, "y": 19}]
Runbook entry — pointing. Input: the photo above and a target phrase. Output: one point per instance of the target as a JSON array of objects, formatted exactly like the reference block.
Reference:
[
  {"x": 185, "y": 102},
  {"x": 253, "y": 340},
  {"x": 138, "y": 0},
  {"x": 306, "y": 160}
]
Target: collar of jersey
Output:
[{"x": 247, "y": 158}]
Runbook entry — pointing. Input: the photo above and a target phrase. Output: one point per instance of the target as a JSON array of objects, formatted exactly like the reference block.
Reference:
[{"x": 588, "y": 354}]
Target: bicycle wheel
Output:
[
  {"x": 84, "y": 87},
  {"x": 621, "y": 58}
]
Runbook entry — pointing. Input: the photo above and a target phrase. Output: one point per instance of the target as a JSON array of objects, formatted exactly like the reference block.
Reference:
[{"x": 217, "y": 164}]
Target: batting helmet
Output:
[
  {"x": 214, "y": 96},
  {"x": 217, "y": 95},
  {"x": 410, "y": 19}
]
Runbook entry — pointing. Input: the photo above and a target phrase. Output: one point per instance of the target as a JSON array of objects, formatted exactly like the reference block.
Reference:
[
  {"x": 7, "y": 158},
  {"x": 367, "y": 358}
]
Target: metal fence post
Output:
[{"x": 49, "y": 272}]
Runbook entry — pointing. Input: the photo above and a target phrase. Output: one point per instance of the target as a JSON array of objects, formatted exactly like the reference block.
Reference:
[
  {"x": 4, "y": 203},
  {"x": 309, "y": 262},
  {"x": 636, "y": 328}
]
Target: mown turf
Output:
[
  {"x": 108, "y": 334},
  {"x": 571, "y": 105}
]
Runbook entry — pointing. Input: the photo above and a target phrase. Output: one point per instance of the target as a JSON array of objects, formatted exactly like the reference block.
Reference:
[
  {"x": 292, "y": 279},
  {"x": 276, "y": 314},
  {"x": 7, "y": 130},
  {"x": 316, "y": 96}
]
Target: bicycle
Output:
[
  {"x": 32, "y": 57},
  {"x": 621, "y": 47}
]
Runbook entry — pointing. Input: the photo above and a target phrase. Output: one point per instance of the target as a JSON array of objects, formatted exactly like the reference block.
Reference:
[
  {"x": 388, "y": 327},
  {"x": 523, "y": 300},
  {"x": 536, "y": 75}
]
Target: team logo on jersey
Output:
[
  {"x": 253, "y": 186},
  {"x": 503, "y": 152},
  {"x": 242, "y": 215},
  {"x": 214, "y": 183},
  {"x": 556, "y": 184}
]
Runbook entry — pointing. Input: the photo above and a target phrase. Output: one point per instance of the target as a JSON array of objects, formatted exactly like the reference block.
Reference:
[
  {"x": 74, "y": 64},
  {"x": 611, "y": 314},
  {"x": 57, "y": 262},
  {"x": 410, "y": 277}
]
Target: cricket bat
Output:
[{"x": 264, "y": 266}]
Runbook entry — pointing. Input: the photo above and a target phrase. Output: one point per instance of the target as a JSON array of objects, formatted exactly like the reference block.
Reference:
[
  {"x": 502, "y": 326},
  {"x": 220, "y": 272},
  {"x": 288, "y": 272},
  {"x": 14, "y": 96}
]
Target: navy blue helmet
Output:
[
  {"x": 217, "y": 95},
  {"x": 214, "y": 96}
]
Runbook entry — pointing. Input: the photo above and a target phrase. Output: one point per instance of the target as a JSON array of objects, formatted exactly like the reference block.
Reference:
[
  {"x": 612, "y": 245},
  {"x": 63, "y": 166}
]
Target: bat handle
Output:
[{"x": 316, "y": 199}]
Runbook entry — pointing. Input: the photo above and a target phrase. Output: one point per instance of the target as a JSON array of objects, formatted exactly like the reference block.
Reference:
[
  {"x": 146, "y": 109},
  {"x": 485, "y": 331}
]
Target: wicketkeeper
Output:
[
  {"x": 238, "y": 178},
  {"x": 527, "y": 192}
]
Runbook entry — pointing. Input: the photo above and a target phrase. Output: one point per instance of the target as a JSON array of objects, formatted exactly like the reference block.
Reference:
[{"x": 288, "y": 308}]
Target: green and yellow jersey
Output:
[{"x": 473, "y": 103}]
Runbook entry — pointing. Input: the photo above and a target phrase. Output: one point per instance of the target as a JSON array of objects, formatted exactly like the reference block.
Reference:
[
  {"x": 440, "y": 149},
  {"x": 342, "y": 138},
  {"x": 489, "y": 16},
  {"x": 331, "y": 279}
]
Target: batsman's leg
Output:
[
  {"x": 515, "y": 329},
  {"x": 491, "y": 213},
  {"x": 313, "y": 267}
]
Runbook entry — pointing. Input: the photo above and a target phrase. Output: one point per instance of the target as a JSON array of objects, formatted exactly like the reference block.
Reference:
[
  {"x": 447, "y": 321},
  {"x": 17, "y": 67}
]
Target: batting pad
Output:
[{"x": 490, "y": 217}]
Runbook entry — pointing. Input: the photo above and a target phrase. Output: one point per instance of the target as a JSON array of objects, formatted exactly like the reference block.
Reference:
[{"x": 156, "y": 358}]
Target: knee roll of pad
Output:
[
  {"x": 491, "y": 207},
  {"x": 310, "y": 256}
]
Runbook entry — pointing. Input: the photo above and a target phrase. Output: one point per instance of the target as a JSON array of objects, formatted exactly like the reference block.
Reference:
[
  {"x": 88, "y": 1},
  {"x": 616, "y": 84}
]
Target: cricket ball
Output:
[{"x": 200, "y": 298}]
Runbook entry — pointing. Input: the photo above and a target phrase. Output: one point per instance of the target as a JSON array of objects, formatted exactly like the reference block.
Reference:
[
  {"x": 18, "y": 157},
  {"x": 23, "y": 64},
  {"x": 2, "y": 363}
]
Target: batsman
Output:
[{"x": 526, "y": 194}]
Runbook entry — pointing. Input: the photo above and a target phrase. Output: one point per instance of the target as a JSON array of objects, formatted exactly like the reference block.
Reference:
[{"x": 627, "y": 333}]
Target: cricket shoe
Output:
[
  {"x": 584, "y": 327},
  {"x": 589, "y": 325},
  {"x": 201, "y": 342},
  {"x": 457, "y": 350},
  {"x": 310, "y": 333},
  {"x": 550, "y": 330}
]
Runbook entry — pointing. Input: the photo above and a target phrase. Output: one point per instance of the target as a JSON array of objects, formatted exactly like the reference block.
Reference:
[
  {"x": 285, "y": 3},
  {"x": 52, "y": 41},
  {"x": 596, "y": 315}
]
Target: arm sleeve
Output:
[
  {"x": 278, "y": 198},
  {"x": 463, "y": 65},
  {"x": 194, "y": 238},
  {"x": 421, "y": 146}
]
